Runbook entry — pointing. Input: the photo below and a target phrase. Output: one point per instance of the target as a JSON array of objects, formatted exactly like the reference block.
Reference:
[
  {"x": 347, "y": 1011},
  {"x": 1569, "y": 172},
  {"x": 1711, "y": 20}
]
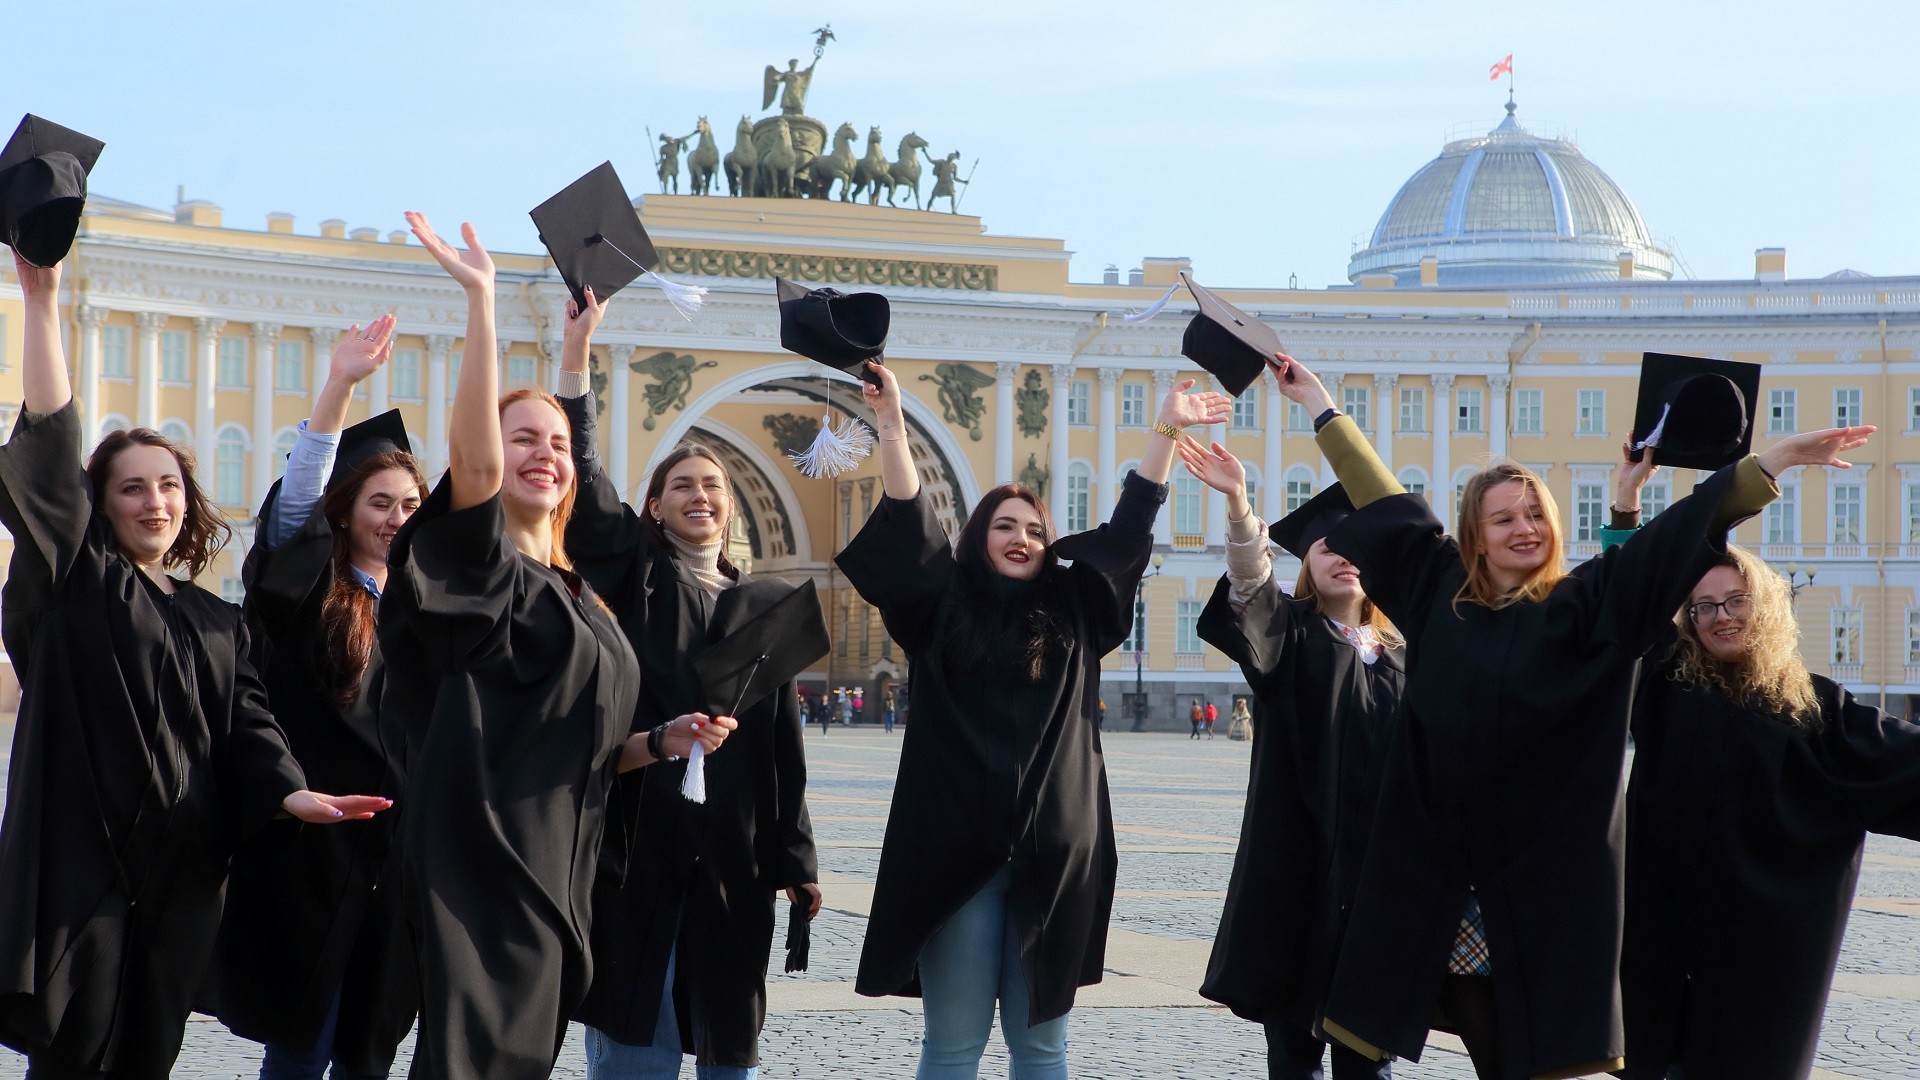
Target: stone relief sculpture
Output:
[
  {"x": 959, "y": 391},
  {"x": 673, "y": 378},
  {"x": 1030, "y": 404},
  {"x": 792, "y": 433},
  {"x": 1034, "y": 476}
]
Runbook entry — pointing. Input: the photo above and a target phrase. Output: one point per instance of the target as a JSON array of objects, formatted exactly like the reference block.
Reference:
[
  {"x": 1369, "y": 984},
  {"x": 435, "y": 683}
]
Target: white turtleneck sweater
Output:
[{"x": 703, "y": 561}]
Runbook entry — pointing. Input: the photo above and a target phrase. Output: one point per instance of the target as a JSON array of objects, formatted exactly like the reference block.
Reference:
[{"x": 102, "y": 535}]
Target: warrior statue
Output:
[
  {"x": 945, "y": 174},
  {"x": 792, "y": 83}
]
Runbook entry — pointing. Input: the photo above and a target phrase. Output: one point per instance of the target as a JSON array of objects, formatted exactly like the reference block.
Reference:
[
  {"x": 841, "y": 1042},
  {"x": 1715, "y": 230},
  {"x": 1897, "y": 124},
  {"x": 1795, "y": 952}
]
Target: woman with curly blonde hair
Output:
[{"x": 1754, "y": 785}]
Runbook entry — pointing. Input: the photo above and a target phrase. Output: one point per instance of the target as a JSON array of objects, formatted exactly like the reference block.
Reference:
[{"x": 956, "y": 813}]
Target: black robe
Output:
[
  {"x": 704, "y": 875},
  {"x": 1322, "y": 719},
  {"x": 514, "y": 689},
  {"x": 143, "y": 753},
  {"x": 1744, "y": 836},
  {"x": 1506, "y": 778},
  {"x": 996, "y": 769},
  {"x": 312, "y": 909}
]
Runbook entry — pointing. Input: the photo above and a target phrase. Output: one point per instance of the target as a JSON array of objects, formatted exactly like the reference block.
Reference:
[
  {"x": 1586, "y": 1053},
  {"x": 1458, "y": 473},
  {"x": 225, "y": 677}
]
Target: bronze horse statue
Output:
[
  {"x": 777, "y": 166},
  {"x": 873, "y": 172},
  {"x": 742, "y": 159},
  {"x": 704, "y": 161},
  {"x": 906, "y": 168},
  {"x": 837, "y": 165}
]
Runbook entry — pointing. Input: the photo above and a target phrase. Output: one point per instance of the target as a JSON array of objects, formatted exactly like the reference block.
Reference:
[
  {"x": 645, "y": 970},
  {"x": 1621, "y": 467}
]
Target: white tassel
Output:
[
  {"x": 686, "y": 299},
  {"x": 694, "y": 787},
  {"x": 834, "y": 450},
  {"x": 1653, "y": 437},
  {"x": 1150, "y": 310}
]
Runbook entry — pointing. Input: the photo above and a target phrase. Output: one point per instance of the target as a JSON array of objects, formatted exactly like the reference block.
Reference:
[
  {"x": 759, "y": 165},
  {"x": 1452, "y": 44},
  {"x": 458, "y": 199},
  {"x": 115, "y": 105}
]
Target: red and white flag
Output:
[{"x": 1504, "y": 67}]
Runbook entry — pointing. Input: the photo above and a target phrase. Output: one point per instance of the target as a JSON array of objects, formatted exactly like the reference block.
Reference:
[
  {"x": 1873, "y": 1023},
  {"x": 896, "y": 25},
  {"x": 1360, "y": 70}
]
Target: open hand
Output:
[
  {"x": 1214, "y": 466},
  {"x": 690, "y": 728},
  {"x": 361, "y": 352},
  {"x": 37, "y": 282},
  {"x": 1299, "y": 383},
  {"x": 812, "y": 891},
  {"x": 1815, "y": 448},
  {"x": 472, "y": 268},
  {"x": 317, "y": 809},
  {"x": 1182, "y": 409},
  {"x": 884, "y": 399}
]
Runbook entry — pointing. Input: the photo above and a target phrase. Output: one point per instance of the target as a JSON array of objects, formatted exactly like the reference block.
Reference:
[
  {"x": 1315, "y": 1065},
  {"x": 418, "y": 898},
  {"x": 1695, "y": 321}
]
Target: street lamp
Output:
[
  {"x": 1794, "y": 573},
  {"x": 1140, "y": 645}
]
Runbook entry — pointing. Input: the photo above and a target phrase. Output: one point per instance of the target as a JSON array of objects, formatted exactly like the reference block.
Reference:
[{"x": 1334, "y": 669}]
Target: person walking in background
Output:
[
  {"x": 1241, "y": 726},
  {"x": 1212, "y": 713},
  {"x": 888, "y": 704},
  {"x": 1100, "y": 714},
  {"x": 1196, "y": 716}
]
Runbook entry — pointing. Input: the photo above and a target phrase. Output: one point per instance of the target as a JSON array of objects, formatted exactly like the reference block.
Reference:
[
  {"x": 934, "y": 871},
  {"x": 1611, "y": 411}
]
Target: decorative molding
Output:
[
  {"x": 1499, "y": 381},
  {"x": 792, "y": 433},
  {"x": 959, "y": 391},
  {"x": 1110, "y": 377},
  {"x": 832, "y": 269},
  {"x": 1030, "y": 402},
  {"x": 672, "y": 375}
]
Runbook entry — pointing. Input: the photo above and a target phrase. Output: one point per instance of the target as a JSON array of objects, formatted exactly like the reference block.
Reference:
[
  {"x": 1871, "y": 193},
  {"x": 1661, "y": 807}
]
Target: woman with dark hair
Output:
[
  {"x": 684, "y": 906},
  {"x": 312, "y": 959},
  {"x": 997, "y": 870},
  {"x": 1490, "y": 893},
  {"x": 1754, "y": 785},
  {"x": 515, "y": 686},
  {"x": 143, "y": 750},
  {"x": 1327, "y": 672}
]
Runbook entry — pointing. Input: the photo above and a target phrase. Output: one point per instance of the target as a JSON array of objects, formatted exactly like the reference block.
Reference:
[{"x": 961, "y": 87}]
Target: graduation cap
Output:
[
  {"x": 43, "y": 188},
  {"x": 1316, "y": 517},
  {"x": 595, "y": 237},
  {"x": 799, "y": 935},
  {"x": 1694, "y": 412},
  {"x": 382, "y": 434},
  {"x": 1231, "y": 344},
  {"x": 843, "y": 331}
]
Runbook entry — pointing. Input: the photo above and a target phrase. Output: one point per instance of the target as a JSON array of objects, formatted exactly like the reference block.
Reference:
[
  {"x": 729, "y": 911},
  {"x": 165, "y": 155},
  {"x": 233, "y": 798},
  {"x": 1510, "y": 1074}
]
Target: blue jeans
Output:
[
  {"x": 1295, "y": 1055},
  {"x": 280, "y": 1063},
  {"x": 967, "y": 963},
  {"x": 610, "y": 1059},
  {"x": 887, "y": 718}
]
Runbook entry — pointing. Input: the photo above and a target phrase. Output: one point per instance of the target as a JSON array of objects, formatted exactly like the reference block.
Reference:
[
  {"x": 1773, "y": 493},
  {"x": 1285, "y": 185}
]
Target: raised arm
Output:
[
  {"x": 476, "y": 463},
  {"x": 1360, "y": 470},
  {"x": 44, "y": 364},
  {"x": 1249, "y": 556},
  {"x": 897, "y": 474},
  {"x": 1181, "y": 408},
  {"x": 359, "y": 354}
]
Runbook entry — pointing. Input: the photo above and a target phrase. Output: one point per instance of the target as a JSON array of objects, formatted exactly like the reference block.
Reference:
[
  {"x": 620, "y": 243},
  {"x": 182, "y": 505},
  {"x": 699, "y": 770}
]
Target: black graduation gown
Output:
[
  {"x": 1505, "y": 777},
  {"x": 998, "y": 771},
  {"x": 706, "y": 875},
  {"x": 1744, "y": 837},
  {"x": 143, "y": 752},
  {"x": 311, "y": 909},
  {"x": 515, "y": 692},
  {"x": 1322, "y": 721}
]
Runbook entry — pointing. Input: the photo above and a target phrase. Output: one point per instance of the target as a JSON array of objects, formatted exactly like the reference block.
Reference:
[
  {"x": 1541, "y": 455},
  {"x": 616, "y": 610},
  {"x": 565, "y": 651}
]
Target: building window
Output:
[
  {"x": 114, "y": 422},
  {"x": 116, "y": 352},
  {"x": 519, "y": 372},
  {"x": 1848, "y": 627},
  {"x": 1913, "y": 408},
  {"x": 1783, "y": 409},
  {"x": 1186, "y": 504},
  {"x": 1846, "y": 407},
  {"x": 282, "y": 449},
  {"x": 1466, "y": 411},
  {"x": 1187, "y": 628},
  {"x": 1593, "y": 413},
  {"x": 1299, "y": 487},
  {"x": 290, "y": 367},
  {"x": 1253, "y": 485},
  {"x": 1133, "y": 404},
  {"x": 1079, "y": 498},
  {"x": 177, "y": 433},
  {"x": 1913, "y": 635},
  {"x": 1137, "y": 639},
  {"x": 1783, "y": 516},
  {"x": 1246, "y": 409},
  {"x": 1413, "y": 408},
  {"x": 230, "y": 467},
  {"x": 231, "y": 371},
  {"x": 173, "y": 356},
  {"x": 1528, "y": 413},
  {"x": 1848, "y": 513},
  {"x": 1414, "y": 480},
  {"x": 1353, "y": 402},
  {"x": 1589, "y": 510},
  {"x": 233, "y": 590},
  {"x": 1080, "y": 402},
  {"x": 1654, "y": 498},
  {"x": 406, "y": 374},
  {"x": 1297, "y": 418},
  {"x": 1913, "y": 513},
  {"x": 1460, "y": 478}
]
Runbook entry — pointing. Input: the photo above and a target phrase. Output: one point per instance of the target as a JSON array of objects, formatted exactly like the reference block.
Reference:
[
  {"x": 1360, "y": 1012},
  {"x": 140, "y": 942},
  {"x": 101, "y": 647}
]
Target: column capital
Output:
[
  {"x": 208, "y": 326},
  {"x": 1062, "y": 372},
  {"x": 1442, "y": 381},
  {"x": 266, "y": 333},
  {"x": 323, "y": 337},
  {"x": 1334, "y": 384},
  {"x": 621, "y": 353},
  {"x": 438, "y": 345},
  {"x": 1110, "y": 377},
  {"x": 1499, "y": 381},
  {"x": 91, "y": 316},
  {"x": 1162, "y": 383},
  {"x": 149, "y": 321},
  {"x": 1385, "y": 381},
  {"x": 1005, "y": 370}
]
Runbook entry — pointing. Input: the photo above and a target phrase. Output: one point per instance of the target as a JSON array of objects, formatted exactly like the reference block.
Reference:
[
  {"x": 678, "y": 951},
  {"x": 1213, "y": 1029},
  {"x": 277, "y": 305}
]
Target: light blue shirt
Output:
[{"x": 304, "y": 486}]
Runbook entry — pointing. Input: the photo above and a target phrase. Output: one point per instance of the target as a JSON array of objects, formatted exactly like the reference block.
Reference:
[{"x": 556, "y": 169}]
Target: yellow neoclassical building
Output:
[{"x": 1499, "y": 310}]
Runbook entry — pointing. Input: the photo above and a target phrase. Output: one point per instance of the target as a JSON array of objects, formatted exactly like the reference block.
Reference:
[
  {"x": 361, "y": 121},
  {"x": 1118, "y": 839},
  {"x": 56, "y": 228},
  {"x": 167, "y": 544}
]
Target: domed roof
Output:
[{"x": 1511, "y": 207}]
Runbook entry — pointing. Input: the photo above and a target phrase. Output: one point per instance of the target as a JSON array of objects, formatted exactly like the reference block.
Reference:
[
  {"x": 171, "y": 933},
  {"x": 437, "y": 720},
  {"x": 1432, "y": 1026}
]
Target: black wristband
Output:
[
  {"x": 1324, "y": 419},
  {"x": 656, "y": 742}
]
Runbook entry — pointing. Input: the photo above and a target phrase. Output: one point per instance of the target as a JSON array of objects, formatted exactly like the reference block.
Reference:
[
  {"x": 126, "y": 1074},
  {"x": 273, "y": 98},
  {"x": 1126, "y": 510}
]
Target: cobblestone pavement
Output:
[{"x": 1177, "y": 807}]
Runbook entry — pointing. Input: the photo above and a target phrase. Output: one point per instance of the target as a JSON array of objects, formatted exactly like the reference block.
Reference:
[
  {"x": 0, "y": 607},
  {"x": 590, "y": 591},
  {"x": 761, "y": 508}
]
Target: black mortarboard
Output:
[
  {"x": 798, "y": 932},
  {"x": 1313, "y": 521},
  {"x": 594, "y": 235},
  {"x": 1231, "y": 344},
  {"x": 753, "y": 661},
  {"x": 43, "y": 188},
  {"x": 376, "y": 435},
  {"x": 1695, "y": 413},
  {"x": 840, "y": 330}
]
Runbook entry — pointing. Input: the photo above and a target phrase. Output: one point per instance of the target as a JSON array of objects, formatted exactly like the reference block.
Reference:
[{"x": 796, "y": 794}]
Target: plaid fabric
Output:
[{"x": 1470, "y": 953}]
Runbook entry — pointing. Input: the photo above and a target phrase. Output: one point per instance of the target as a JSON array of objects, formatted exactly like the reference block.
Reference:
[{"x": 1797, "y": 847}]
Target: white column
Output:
[
  {"x": 437, "y": 347},
  {"x": 500, "y": 371},
  {"x": 1497, "y": 431},
  {"x": 619, "y": 439},
  {"x": 1162, "y": 525},
  {"x": 206, "y": 345},
  {"x": 379, "y": 389},
  {"x": 324, "y": 339},
  {"x": 1442, "y": 493},
  {"x": 147, "y": 346},
  {"x": 1109, "y": 417},
  {"x": 1334, "y": 384},
  {"x": 1216, "y": 520},
  {"x": 1057, "y": 458},
  {"x": 550, "y": 359},
  {"x": 1273, "y": 483},
  {"x": 91, "y": 320},
  {"x": 1004, "y": 371},
  {"x": 265, "y": 335},
  {"x": 1383, "y": 414}
]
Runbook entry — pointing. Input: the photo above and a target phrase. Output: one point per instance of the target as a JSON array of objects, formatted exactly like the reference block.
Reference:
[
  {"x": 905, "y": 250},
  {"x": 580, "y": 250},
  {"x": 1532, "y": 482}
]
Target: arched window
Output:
[
  {"x": 1414, "y": 479},
  {"x": 1299, "y": 487},
  {"x": 230, "y": 466},
  {"x": 1079, "y": 498},
  {"x": 1253, "y": 486},
  {"x": 1460, "y": 477},
  {"x": 283, "y": 441},
  {"x": 113, "y": 422},
  {"x": 177, "y": 432},
  {"x": 1187, "y": 496}
]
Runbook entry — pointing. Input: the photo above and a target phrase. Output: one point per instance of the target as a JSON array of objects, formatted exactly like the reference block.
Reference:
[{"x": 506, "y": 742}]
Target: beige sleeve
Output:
[
  {"x": 1752, "y": 490},
  {"x": 1354, "y": 462},
  {"x": 1249, "y": 559}
]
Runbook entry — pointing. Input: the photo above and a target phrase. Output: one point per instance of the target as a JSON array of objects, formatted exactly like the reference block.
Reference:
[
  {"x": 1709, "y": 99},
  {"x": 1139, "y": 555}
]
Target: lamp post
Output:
[
  {"x": 1140, "y": 645},
  {"x": 1794, "y": 572}
]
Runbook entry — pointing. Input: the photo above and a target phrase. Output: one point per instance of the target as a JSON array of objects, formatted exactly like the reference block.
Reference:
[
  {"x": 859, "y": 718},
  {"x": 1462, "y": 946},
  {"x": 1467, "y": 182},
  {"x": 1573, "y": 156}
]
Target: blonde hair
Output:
[
  {"x": 1480, "y": 588},
  {"x": 563, "y": 512},
  {"x": 1771, "y": 678},
  {"x": 1383, "y": 629}
]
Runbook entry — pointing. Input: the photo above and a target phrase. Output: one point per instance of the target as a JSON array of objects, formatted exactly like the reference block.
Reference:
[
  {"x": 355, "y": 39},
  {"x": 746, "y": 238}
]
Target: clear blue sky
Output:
[{"x": 1261, "y": 139}]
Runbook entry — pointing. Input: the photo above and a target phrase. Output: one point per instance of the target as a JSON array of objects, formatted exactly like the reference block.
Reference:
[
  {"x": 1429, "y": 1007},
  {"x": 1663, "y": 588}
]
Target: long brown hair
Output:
[
  {"x": 563, "y": 512},
  {"x": 1014, "y": 627},
  {"x": 1383, "y": 629},
  {"x": 1479, "y": 588},
  {"x": 1771, "y": 678},
  {"x": 346, "y": 615},
  {"x": 657, "y": 483},
  {"x": 203, "y": 532}
]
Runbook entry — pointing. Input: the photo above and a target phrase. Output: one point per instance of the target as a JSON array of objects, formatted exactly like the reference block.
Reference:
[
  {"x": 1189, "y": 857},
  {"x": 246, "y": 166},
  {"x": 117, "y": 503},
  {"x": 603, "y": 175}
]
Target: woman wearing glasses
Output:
[{"x": 1754, "y": 785}]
